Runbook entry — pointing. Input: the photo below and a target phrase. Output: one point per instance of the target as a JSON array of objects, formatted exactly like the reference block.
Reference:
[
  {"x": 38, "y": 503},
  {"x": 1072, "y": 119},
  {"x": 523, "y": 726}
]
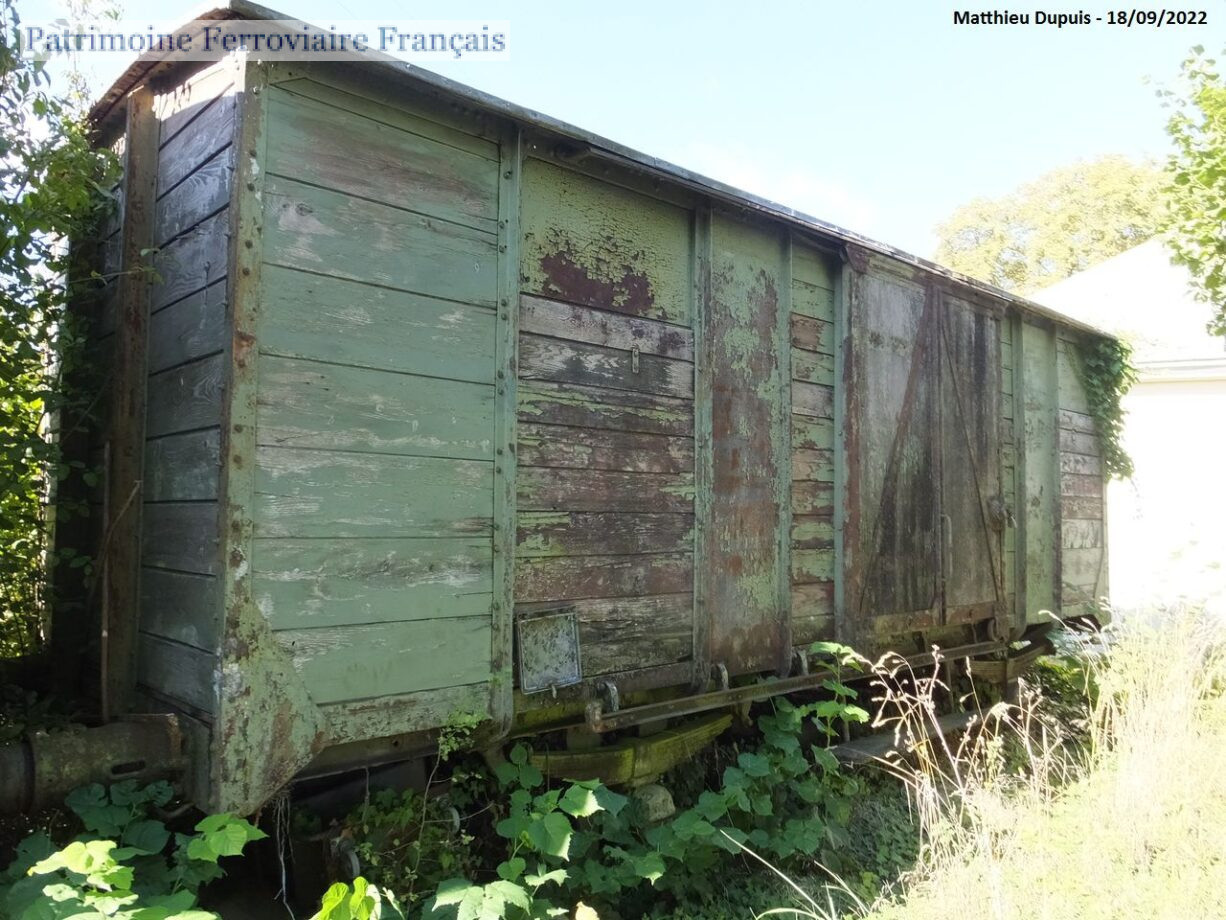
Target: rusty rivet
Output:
[
  {"x": 501, "y": 390},
  {"x": 251, "y": 186},
  {"x": 507, "y": 174},
  {"x": 497, "y": 606},
  {"x": 496, "y": 549},
  {"x": 502, "y": 301},
  {"x": 501, "y": 374},
  {"x": 499, "y": 451},
  {"x": 246, "y": 271},
  {"x": 248, "y": 243},
  {"x": 504, "y": 315},
  {"x": 498, "y": 471},
  {"x": 502, "y": 247}
]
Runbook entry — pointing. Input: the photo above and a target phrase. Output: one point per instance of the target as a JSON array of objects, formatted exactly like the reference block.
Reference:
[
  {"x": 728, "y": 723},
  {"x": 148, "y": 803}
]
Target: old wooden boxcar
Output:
[{"x": 436, "y": 407}]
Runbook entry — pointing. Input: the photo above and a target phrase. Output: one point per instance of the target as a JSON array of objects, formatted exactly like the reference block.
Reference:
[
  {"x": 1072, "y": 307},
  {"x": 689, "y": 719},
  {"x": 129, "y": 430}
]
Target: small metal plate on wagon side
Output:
[{"x": 548, "y": 650}]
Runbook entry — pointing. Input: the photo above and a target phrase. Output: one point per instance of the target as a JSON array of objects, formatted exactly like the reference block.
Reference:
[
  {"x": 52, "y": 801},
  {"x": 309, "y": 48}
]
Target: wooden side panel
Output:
[
  {"x": 374, "y": 479},
  {"x": 1083, "y": 547},
  {"x": 1039, "y": 499},
  {"x": 813, "y": 384},
  {"x": 744, "y": 569},
  {"x": 1008, "y": 461},
  {"x": 605, "y": 447},
  {"x": 892, "y": 553},
  {"x": 188, "y": 352}
]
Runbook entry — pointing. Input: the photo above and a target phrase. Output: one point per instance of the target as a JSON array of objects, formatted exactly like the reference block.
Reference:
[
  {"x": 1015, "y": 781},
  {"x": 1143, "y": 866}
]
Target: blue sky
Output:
[{"x": 879, "y": 116}]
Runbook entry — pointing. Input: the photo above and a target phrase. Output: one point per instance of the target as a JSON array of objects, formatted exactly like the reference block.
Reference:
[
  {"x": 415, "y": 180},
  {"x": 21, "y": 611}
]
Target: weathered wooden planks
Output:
[
  {"x": 593, "y": 407},
  {"x": 358, "y": 661},
  {"x": 327, "y": 232},
  {"x": 1083, "y": 559},
  {"x": 186, "y": 397},
  {"x": 603, "y": 328},
  {"x": 335, "y": 148},
  {"x": 182, "y": 606},
  {"x": 183, "y": 467},
  {"x": 542, "y": 489},
  {"x": 577, "y": 533},
  {"x": 548, "y": 579},
  {"x": 593, "y": 243},
  {"x": 329, "y": 493},
  {"x": 598, "y": 449},
  {"x": 194, "y": 327},
  {"x": 335, "y": 582},
  {"x": 180, "y": 673},
  {"x": 542, "y": 358},
  {"x": 181, "y": 536},
  {"x": 336, "y": 407},
  {"x": 360, "y": 325}
]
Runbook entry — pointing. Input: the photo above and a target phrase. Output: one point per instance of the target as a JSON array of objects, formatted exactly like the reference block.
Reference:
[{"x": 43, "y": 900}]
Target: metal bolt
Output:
[{"x": 507, "y": 174}]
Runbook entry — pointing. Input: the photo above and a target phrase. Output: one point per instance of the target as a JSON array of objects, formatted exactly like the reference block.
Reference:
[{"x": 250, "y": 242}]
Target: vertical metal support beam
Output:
[
  {"x": 502, "y": 701},
  {"x": 119, "y": 554},
  {"x": 266, "y": 728},
  {"x": 702, "y": 437}
]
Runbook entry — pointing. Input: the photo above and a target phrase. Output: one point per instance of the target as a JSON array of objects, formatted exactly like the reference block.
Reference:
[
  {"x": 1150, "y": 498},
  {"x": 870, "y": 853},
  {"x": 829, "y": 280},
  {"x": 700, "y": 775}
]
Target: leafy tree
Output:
[
  {"x": 51, "y": 190},
  {"x": 1061, "y": 223},
  {"x": 1196, "y": 174}
]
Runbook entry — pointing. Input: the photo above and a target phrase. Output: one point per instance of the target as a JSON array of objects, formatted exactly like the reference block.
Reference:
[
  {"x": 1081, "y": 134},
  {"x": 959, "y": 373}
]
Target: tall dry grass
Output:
[{"x": 1018, "y": 823}]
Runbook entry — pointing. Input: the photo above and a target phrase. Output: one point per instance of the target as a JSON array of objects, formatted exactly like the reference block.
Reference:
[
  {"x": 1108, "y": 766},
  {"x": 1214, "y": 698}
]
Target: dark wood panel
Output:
[
  {"x": 181, "y": 606},
  {"x": 186, "y": 101},
  {"x": 597, "y": 449},
  {"x": 544, "y": 489},
  {"x": 193, "y": 261},
  {"x": 599, "y": 327},
  {"x": 183, "y": 467},
  {"x": 182, "y": 537},
  {"x": 180, "y": 672},
  {"x": 559, "y": 533},
  {"x": 186, "y": 397},
  {"x": 593, "y": 407},
  {"x": 194, "y": 327},
  {"x": 625, "y": 634},
  {"x": 569, "y": 577},
  {"x": 212, "y": 129},
  {"x": 542, "y": 358},
  {"x": 202, "y": 192}
]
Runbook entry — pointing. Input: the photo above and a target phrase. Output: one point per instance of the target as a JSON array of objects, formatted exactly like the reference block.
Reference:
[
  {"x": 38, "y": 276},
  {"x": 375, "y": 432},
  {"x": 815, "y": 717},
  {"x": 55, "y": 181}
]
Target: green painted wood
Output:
[
  {"x": 810, "y": 565},
  {"x": 360, "y": 661},
  {"x": 812, "y": 433},
  {"x": 812, "y": 367},
  {"x": 1039, "y": 496},
  {"x": 333, "y": 147},
  {"x": 547, "y": 489},
  {"x": 183, "y": 467},
  {"x": 595, "y": 407},
  {"x": 348, "y": 91},
  {"x": 338, "y": 582},
  {"x": 813, "y": 531},
  {"x": 817, "y": 465},
  {"x": 325, "y": 493},
  {"x": 568, "y": 533},
  {"x": 598, "y": 449},
  {"x": 179, "y": 672},
  {"x": 812, "y": 267},
  {"x": 361, "y": 720},
  {"x": 304, "y": 315},
  {"x": 559, "y": 361},
  {"x": 604, "y": 328},
  {"x": 811, "y": 300},
  {"x": 589, "y": 242},
  {"x": 1072, "y": 394},
  {"x": 330, "y": 233},
  {"x": 556, "y": 579},
  {"x": 812, "y": 498},
  {"x": 745, "y": 554},
  {"x": 181, "y": 606},
  {"x": 333, "y": 407},
  {"x": 192, "y": 328}
]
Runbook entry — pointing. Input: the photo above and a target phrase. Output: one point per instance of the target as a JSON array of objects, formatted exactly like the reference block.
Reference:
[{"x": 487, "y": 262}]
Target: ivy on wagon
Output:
[{"x": 1107, "y": 374}]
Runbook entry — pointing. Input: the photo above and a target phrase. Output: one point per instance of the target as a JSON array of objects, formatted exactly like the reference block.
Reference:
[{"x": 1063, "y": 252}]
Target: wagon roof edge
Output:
[{"x": 151, "y": 64}]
